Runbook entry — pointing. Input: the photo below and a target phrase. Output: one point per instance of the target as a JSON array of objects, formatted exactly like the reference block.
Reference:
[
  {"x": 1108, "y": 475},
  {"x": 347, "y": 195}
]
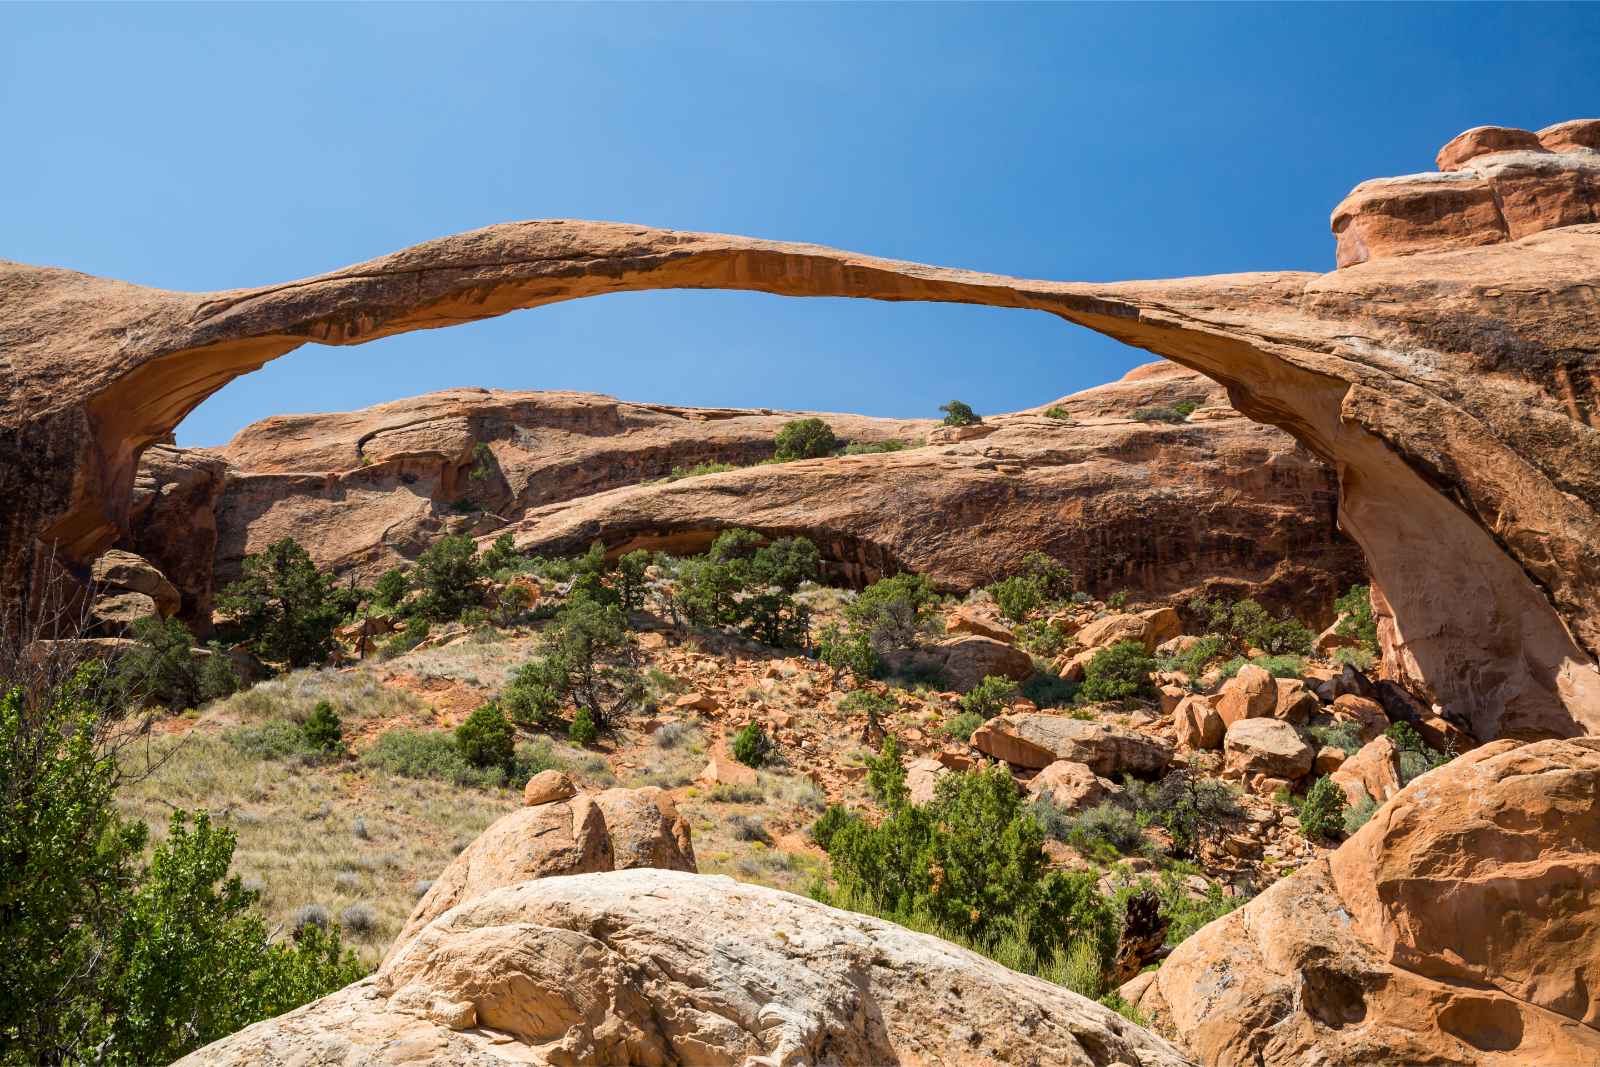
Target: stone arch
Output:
[{"x": 1488, "y": 561}]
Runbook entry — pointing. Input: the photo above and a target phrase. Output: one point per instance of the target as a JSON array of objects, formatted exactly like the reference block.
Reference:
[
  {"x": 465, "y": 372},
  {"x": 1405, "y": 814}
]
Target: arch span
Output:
[{"x": 1460, "y": 485}]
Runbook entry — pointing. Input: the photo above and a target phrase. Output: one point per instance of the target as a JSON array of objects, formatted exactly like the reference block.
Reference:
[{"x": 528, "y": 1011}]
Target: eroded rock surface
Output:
[
  {"x": 1460, "y": 925},
  {"x": 1454, "y": 389},
  {"x": 657, "y": 967}
]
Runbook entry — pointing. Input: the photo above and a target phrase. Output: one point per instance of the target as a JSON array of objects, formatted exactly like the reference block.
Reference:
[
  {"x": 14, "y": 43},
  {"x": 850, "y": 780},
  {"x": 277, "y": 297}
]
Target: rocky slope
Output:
[
  {"x": 1453, "y": 387},
  {"x": 656, "y": 967},
  {"x": 1150, "y": 506},
  {"x": 1459, "y": 926}
]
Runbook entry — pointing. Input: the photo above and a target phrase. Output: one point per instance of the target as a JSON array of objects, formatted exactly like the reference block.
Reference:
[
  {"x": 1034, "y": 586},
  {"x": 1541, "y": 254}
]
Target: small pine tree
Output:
[
  {"x": 958, "y": 413},
  {"x": 805, "y": 439},
  {"x": 486, "y": 739},
  {"x": 1322, "y": 811},
  {"x": 752, "y": 746},
  {"x": 1117, "y": 673},
  {"x": 582, "y": 731},
  {"x": 323, "y": 729}
]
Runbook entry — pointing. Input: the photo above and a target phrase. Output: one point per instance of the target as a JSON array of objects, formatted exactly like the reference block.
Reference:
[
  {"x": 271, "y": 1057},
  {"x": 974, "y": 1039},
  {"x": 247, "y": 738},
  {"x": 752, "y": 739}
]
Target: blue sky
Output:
[{"x": 208, "y": 147}]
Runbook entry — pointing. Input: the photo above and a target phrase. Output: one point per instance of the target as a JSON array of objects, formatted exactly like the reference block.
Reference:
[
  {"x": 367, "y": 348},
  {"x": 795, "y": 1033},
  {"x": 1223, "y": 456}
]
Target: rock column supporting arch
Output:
[{"x": 1453, "y": 390}]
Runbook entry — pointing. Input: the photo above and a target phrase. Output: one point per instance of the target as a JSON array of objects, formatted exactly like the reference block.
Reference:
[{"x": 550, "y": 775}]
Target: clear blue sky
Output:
[{"x": 207, "y": 147}]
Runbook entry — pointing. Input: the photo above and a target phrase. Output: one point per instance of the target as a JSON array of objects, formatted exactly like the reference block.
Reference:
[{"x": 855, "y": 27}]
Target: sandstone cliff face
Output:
[
  {"x": 657, "y": 967},
  {"x": 1453, "y": 389},
  {"x": 1461, "y": 925},
  {"x": 1127, "y": 504}
]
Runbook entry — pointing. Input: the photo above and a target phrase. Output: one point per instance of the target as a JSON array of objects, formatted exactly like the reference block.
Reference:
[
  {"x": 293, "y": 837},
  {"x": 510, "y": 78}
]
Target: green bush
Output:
[
  {"x": 285, "y": 607},
  {"x": 104, "y": 959},
  {"x": 1107, "y": 826},
  {"x": 805, "y": 439},
  {"x": 588, "y": 658},
  {"x": 957, "y": 413},
  {"x": 1345, "y": 736},
  {"x": 745, "y": 584},
  {"x": 500, "y": 555},
  {"x": 1186, "y": 915},
  {"x": 273, "y": 739},
  {"x": 583, "y": 730},
  {"x": 1039, "y": 581},
  {"x": 1193, "y": 809},
  {"x": 1056, "y": 411},
  {"x": 1356, "y": 815},
  {"x": 1042, "y": 637},
  {"x": 1246, "y": 624},
  {"x": 752, "y": 746},
  {"x": 970, "y": 861},
  {"x": 679, "y": 473},
  {"x": 1120, "y": 672},
  {"x": 961, "y": 727},
  {"x": 1195, "y": 661},
  {"x": 1358, "y": 621},
  {"x": 409, "y": 636},
  {"x": 631, "y": 578},
  {"x": 1417, "y": 757},
  {"x": 876, "y": 707},
  {"x": 159, "y": 667},
  {"x": 848, "y": 649},
  {"x": 218, "y": 678},
  {"x": 864, "y": 448},
  {"x": 324, "y": 730},
  {"x": 1047, "y": 689},
  {"x": 429, "y": 754},
  {"x": 894, "y": 612},
  {"x": 448, "y": 574},
  {"x": 391, "y": 588},
  {"x": 990, "y": 697},
  {"x": 1323, "y": 809},
  {"x": 1359, "y": 658},
  {"x": 486, "y": 738},
  {"x": 1174, "y": 413}
]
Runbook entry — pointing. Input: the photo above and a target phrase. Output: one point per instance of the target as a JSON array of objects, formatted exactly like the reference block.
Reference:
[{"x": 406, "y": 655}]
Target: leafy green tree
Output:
[
  {"x": 958, "y": 413},
  {"x": 990, "y": 696},
  {"x": 805, "y": 439},
  {"x": 631, "y": 578},
  {"x": 486, "y": 739},
  {"x": 324, "y": 730},
  {"x": 746, "y": 584},
  {"x": 101, "y": 959},
  {"x": 1119, "y": 672},
  {"x": 159, "y": 668},
  {"x": 448, "y": 573},
  {"x": 847, "y": 650},
  {"x": 286, "y": 607},
  {"x": 1246, "y": 624},
  {"x": 752, "y": 745}
]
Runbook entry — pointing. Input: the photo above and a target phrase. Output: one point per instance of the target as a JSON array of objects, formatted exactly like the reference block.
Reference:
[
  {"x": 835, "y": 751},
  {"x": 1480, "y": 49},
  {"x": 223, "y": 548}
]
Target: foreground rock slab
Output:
[
  {"x": 1459, "y": 926},
  {"x": 664, "y": 967}
]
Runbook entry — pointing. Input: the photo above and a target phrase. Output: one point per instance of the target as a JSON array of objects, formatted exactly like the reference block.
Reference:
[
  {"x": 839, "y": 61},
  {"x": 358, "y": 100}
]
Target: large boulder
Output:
[
  {"x": 1072, "y": 786},
  {"x": 666, "y": 967},
  {"x": 571, "y": 834},
  {"x": 1372, "y": 771},
  {"x": 1038, "y": 740},
  {"x": 1197, "y": 723},
  {"x": 1268, "y": 747},
  {"x": 1250, "y": 694},
  {"x": 1459, "y": 926},
  {"x": 969, "y": 659},
  {"x": 1149, "y": 628}
]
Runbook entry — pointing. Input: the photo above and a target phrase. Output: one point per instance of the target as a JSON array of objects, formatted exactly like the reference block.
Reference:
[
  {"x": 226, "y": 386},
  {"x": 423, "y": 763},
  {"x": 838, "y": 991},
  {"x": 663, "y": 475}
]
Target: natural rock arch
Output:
[{"x": 1451, "y": 381}]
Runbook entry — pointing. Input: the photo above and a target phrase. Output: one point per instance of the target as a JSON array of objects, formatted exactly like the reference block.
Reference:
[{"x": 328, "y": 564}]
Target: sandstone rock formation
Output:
[
  {"x": 659, "y": 967},
  {"x": 1151, "y": 506},
  {"x": 618, "y": 829},
  {"x": 1038, "y": 740},
  {"x": 1453, "y": 388},
  {"x": 1461, "y": 925}
]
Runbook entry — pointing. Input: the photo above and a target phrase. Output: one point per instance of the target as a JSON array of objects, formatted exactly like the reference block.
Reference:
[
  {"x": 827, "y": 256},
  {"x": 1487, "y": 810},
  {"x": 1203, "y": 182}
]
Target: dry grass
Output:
[
  {"x": 335, "y": 836},
  {"x": 356, "y": 695}
]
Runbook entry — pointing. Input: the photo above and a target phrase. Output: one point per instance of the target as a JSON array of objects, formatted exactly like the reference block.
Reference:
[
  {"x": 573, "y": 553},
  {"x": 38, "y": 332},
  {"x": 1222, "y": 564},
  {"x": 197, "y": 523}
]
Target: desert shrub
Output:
[
  {"x": 1198, "y": 657},
  {"x": 990, "y": 696},
  {"x": 805, "y": 439},
  {"x": 1119, "y": 672},
  {"x": 1192, "y": 808},
  {"x": 1277, "y": 666},
  {"x": 1359, "y": 658},
  {"x": 587, "y": 658},
  {"x": 391, "y": 588},
  {"x": 1417, "y": 757},
  {"x": 744, "y": 583},
  {"x": 323, "y": 729},
  {"x": 1041, "y": 637},
  {"x": 1184, "y": 914},
  {"x": 274, "y": 739},
  {"x": 428, "y": 754},
  {"x": 1178, "y": 412},
  {"x": 1340, "y": 735},
  {"x": 970, "y": 861},
  {"x": 752, "y": 745},
  {"x": 217, "y": 677},
  {"x": 679, "y": 473},
  {"x": 847, "y": 649},
  {"x": 865, "y": 448},
  {"x": 1017, "y": 597},
  {"x": 499, "y": 556},
  {"x": 748, "y": 828},
  {"x": 100, "y": 953},
  {"x": 961, "y": 726},
  {"x": 1047, "y": 689},
  {"x": 1106, "y": 826},
  {"x": 159, "y": 667},
  {"x": 876, "y": 707},
  {"x": 1357, "y": 814},
  {"x": 284, "y": 606},
  {"x": 1358, "y": 621},
  {"x": 409, "y": 636},
  {"x": 486, "y": 738},
  {"x": 1040, "y": 580},
  {"x": 448, "y": 574},
  {"x": 894, "y": 612},
  {"x": 631, "y": 578},
  {"x": 958, "y": 413},
  {"x": 359, "y": 919},
  {"x": 583, "y": 730},
  {"x": 1323, "y": 809},
  {"x": 1246, "y": 624},
  {"x": 1056, "y": 411}
]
